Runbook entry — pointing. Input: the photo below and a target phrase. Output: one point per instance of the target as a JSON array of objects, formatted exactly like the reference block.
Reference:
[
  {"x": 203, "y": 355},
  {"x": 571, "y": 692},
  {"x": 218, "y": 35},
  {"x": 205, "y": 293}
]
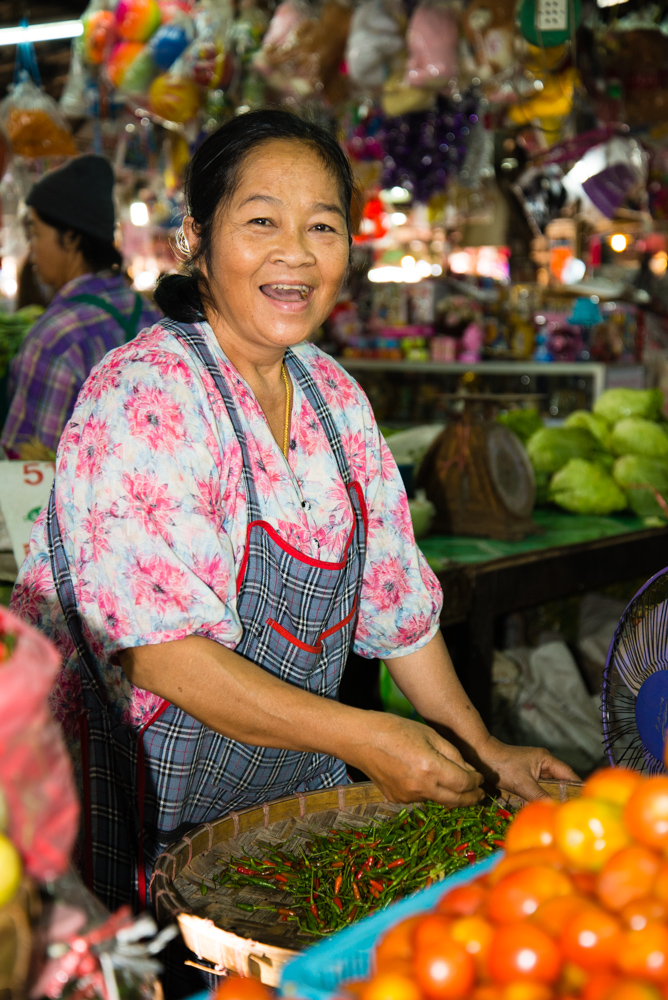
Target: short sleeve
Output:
[
  {"x": 401, "y": 598},
  {"x": 140, "y": 480}
]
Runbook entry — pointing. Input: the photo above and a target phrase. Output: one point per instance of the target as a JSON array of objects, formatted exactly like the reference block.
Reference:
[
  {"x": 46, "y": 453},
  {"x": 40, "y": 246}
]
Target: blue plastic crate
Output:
[{"x": 317, "y": 973}]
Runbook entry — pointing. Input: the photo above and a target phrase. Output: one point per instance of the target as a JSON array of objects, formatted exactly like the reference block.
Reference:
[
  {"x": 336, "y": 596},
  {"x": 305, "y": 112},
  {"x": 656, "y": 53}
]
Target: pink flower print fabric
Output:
[{"x": 151, "y": 503}]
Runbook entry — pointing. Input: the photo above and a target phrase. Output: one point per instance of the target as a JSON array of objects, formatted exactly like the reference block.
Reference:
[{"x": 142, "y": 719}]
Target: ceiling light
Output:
[
  {"x": 618, "y": 242},
  {"x": 41, "y": 32}
]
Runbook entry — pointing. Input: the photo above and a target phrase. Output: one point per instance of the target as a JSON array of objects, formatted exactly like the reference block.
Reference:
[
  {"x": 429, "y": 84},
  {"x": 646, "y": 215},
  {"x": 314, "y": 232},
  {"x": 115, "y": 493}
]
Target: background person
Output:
[{"x": 71, "y": 232}]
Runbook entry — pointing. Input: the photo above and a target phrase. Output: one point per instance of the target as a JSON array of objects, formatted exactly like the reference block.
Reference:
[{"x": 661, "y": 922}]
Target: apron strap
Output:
[
  {"x": 308, "y": 385},
  {"x": 63, "y": 584},
  {"x": 128, "y": 324},
  {"x": 194, "y": 339}
]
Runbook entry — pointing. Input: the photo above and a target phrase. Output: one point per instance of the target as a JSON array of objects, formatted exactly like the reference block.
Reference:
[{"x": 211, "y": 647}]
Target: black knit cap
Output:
[{"x": 80, "y": 195}]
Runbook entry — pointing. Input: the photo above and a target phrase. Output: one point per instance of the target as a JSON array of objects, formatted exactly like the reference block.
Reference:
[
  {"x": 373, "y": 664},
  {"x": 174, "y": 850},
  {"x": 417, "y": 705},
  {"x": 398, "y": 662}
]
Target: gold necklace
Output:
[{"x": 287, "y": 411}]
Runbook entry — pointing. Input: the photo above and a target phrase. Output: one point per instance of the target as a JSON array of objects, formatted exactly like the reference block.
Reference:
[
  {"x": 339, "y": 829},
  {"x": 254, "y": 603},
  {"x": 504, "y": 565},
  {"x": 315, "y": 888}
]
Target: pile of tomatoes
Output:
[{"x": 577, "y": 909}]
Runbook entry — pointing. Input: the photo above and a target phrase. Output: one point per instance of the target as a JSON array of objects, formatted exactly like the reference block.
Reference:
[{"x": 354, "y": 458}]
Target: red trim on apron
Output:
[
  {"x": 141, "y": 786},
  {"x": 341, "y": 624},
  {"x": 293, "y": 638}
]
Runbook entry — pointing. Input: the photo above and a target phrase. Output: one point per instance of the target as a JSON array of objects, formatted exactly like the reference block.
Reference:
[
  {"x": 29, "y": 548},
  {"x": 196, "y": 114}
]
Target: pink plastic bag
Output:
[
  {"x": 433, "y": 39},
  {"x": 35, "y": 770}
]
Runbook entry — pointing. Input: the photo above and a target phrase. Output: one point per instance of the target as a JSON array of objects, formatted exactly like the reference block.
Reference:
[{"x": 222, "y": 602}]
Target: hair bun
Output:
[{"x": 177, "y": 295}]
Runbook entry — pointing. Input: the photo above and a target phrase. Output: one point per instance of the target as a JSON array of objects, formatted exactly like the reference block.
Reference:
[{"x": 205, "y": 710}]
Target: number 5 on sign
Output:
[{"x": 24, "y": 491}]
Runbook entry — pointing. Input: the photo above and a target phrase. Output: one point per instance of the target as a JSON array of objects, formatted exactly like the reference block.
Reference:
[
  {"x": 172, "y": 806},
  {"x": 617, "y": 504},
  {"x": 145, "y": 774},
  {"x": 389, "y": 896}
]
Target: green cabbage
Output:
[
  {"x": 551, "y": 447},
  {"x": 616, "y": 404},
  {"x": 635, "y": 436},
  {"x": 591, "y": 422},
  {"x": 636, "y": 469},
  {"x": 586, "y": 488},
  {"x": 523, "y": 423}
]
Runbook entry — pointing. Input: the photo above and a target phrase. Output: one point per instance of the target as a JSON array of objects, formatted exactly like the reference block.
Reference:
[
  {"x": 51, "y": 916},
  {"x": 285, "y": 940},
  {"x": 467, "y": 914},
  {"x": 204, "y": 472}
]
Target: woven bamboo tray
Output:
[{"x": 257, "y": 944}]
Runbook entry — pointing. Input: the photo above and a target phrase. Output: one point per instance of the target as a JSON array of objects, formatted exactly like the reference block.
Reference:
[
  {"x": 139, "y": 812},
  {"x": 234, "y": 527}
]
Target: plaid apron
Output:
[{"x": 144, "y": 788}]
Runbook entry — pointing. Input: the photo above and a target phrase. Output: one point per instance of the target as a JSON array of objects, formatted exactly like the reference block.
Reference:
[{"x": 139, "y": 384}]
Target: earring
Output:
[{"x": 182, "y": 242}]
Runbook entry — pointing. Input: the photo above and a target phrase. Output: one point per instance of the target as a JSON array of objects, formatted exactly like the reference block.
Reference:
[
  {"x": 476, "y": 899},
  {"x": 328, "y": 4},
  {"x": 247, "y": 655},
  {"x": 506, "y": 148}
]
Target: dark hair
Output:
[
  {"x": 98, "y": 254},
  {"x": 214, "y": 174}
]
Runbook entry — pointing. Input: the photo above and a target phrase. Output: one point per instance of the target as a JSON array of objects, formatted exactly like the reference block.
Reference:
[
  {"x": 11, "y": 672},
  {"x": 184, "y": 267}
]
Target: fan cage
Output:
[{"x": 639, "y": 648}]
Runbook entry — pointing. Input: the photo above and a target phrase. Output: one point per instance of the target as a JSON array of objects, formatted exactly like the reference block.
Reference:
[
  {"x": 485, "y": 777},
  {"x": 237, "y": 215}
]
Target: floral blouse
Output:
[{"x": 152, "y": 509}]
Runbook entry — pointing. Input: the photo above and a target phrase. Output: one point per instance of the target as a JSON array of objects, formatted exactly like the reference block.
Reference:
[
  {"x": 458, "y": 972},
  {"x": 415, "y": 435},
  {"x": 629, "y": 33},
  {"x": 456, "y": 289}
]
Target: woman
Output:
[
  {"x": 71, "y": 230},
  {"x": 226, "y": 521}
]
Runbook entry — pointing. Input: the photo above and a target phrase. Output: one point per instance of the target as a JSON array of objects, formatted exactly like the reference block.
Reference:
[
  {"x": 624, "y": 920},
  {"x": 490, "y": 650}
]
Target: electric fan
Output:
[{"x": 634, "y": 700}]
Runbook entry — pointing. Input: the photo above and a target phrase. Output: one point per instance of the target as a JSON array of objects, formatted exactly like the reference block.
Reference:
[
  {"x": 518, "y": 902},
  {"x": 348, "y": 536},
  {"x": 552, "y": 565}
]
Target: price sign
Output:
[{"x": 24, "y": 492}]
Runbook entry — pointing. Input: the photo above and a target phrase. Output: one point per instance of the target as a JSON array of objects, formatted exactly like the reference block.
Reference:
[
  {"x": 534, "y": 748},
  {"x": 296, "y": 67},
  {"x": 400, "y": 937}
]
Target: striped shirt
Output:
[{"x": 55, "y": 359}]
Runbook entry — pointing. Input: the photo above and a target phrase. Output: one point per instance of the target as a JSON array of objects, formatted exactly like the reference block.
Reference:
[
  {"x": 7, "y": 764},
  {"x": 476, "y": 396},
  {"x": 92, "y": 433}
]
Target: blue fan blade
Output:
[{"x": 652, "y": 713}]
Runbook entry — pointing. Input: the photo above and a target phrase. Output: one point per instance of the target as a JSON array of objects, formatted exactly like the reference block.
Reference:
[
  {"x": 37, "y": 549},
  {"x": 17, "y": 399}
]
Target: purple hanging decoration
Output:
[{"x": 425, "y": 149}]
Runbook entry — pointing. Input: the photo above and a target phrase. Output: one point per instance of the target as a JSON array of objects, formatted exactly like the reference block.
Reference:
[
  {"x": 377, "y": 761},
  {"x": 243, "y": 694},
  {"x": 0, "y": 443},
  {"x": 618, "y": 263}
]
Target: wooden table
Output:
[{"x": 477, "y": 593}]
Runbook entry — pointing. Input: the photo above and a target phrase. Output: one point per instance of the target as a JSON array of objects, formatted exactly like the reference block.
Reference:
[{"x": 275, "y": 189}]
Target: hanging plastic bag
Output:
[
  {"x": 375, "y": 39},
  {"x": 35, "y": 769},
  {"x": 34, "y": 123},
  {"x": 433, "y": 40}
]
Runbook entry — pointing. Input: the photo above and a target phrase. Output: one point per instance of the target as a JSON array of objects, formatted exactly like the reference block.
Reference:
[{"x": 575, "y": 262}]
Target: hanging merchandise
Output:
[
  {"x": 547, "y": 23},
  {"x": 99, "y": 34},
  {"x": 423, "y": 151},
  {"x": 136, "y": 20},
  {"x": 608, "y": 175},
  {"x": 376, "y": 38},
  {"x": 120, "y": 60},
  {"x": 433, "y": 40},
  {"x": 489, "y": 29},
  {"x": 170, "y": 40},
  {"x": 301, "y": 55},
  {"x": 30, "y": 118}
]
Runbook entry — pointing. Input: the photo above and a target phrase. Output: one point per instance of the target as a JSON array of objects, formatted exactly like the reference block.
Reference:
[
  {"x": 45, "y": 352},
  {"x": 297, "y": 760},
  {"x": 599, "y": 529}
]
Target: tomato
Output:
[
  {"x": 636, "y": 914},
  {"x": 463, "y": 901},
  {"x": 431, "y": 929},
  {"x": 391, "y": 986},
  {"x": 629, "y": 989},
  {"x": 660, "y": 889},
  {"x": 644, "y": 953},
  {"x": 524, "y": 989},
  {"x": 549, "y": 857},
  {"x": 242, "y": 988},
  {"x": 589, "y": 831},
  {"x": 475, "y": 934},
  {"x": 445, "y": 971},
  {"x": 627, "y": 875},
  {"x": 487, "y": 992},
  {"x": 519, "y": 894},
  {"x": 646, "y": 812},
  {"x": 599, "y": 985},
  {"x": 553, "y": 915},
  {"x": 533, "y": 826},
  {"x": 573, "y": 978},
  {"x": 397, "y": 943},
  {"x": 592, "y": 938},
  {"x": 523, "y": 951},
  {"x": 612, "y": 784}
]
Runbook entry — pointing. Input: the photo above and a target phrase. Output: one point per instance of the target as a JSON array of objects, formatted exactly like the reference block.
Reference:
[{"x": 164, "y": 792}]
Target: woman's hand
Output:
[
  {"x": 410, "y": 762},
  {"x": 517, "y": 769}
]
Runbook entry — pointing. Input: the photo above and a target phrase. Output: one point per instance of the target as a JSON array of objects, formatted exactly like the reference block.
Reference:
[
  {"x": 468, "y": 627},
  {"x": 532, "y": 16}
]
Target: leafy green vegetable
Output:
[
  {"x": 617, "y": 404},
  {"x": 586, "y": 488},
  {"x": 591, "y": 422},
  {"x": 635, "y": 436},
  {"x": 13, "y": 329},
  {"x": 542, "y": 488},
  {"x": 633, "y": 471},
  {"x": 523, "y": 423},
  {"x": 551, "y": 447}
]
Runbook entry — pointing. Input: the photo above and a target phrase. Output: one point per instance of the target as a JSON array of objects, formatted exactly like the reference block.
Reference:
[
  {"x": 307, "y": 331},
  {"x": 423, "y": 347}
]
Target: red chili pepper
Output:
[
  {"x": 337, "y": 884},
  {"x": 397, "y": 863},
  {"x": 246, "y": 871},
  {"x": 358, "y": 875},
  {"x": 337, "y": 864},
  {"x": 352, "y": 914},
  {"x": 356, "y": 892},
  {"x": 378, "y": 886},
  {"x": 500, "y": 843},
  {"x": 428, "y": 882},
  {"x": 369, "y": 861},
  {"x": 314, "y": 911},
  {"x": 375, "y": 893},
  {"x": 486, "y": 829},
  {"x": 504, "y": 813},
  {"x": 280, "y": 878},
  {"x": 471, "y": 856},
  {"x": 316, "y": 882},
  {"x": 285, "y": 912},
  {"x": 461, "y": 847},
  {"x": 337, "y": 902}
]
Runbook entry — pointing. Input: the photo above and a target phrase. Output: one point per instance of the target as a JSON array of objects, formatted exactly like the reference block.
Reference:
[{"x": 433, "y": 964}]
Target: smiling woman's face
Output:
[{"x": 279, "y": 249}]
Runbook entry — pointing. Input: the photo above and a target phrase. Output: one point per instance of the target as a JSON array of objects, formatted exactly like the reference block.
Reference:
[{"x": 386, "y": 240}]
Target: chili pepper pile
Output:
[{"x": 348, "y": 873}]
